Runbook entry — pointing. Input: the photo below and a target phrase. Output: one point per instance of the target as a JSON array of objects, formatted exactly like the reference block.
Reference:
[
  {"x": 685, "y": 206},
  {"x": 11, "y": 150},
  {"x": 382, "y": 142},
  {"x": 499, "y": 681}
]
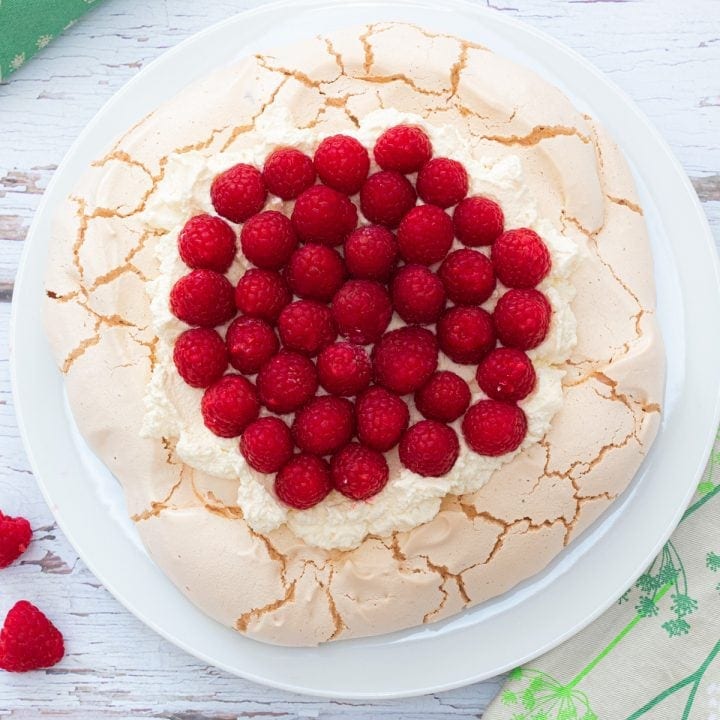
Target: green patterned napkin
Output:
[
  {"x": 27, "y": 26},
  {"x": 654, "y": 655}
]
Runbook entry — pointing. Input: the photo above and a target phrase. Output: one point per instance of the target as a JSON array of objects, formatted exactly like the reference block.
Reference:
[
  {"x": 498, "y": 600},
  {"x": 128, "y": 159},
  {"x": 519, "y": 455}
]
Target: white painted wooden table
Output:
[{"x": 664, "y": 53}]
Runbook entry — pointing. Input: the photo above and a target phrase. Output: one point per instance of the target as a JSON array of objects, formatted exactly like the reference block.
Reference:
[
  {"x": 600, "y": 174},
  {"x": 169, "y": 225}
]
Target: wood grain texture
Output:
[{"x": 664, "y": 54}]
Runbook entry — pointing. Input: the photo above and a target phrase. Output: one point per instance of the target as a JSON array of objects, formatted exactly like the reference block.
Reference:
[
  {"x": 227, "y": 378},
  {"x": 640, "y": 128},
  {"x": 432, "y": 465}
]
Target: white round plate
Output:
[{"x": 534, "y": 617}]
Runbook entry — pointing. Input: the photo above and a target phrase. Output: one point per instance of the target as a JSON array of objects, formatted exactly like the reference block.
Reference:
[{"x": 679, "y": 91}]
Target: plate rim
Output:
[{"x": 21, "y": 282}]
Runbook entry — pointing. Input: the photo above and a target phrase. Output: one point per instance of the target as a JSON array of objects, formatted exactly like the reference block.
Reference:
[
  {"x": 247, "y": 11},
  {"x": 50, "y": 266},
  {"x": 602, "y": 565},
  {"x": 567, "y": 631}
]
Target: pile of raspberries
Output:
[{"x": 319, "y": 385}]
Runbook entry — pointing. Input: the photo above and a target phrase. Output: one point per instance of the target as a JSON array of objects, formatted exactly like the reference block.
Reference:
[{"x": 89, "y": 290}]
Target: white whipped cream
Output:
[{"x": 408, "y": 500}]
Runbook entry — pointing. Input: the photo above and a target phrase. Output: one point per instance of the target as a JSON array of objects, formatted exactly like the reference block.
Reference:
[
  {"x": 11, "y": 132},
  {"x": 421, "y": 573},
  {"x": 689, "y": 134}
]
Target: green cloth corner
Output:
[
  {"x": 27, "y": 26},
  {"x": 655, "y": 654}
]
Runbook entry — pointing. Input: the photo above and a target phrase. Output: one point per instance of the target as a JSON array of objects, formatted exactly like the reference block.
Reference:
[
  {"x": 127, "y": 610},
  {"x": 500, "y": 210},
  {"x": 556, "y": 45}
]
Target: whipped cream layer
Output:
[{"x": 408, "y": 500}]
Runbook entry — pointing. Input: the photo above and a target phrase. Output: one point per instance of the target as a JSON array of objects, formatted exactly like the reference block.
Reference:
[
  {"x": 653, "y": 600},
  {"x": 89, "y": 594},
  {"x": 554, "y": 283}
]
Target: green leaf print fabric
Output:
[
  {"x": 27, "y": 26},
  {"x": 655, "y": 655}
]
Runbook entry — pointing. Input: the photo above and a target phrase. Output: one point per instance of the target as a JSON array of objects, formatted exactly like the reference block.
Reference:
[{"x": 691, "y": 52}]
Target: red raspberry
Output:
[
  {"x": 286, "y": 382},
  {"x": 506, "y": 374},
  {"x": 268, "y": 239},
  {"x": 342, "y": 163},
  {"x": 466, "y": 334},
  {"x": 359, "y": 472},
  {"x": 315, "y": 272},
  {"x": 522, "y": 318},
  {"x": 200, "y": 357},
  {"x": 306, "y": 326},
  {"x": 521, "y": 258},
  {"x": 287, "y": 172},
  {"x": 468, "y": 277},
  {"x": 238, "y": 193},
  {"x": 385, "y": 197},
  {"x": 303, "y": 482},
  {"x": 429, "y": 448},
  {"x": 444, "y": 397},
  {"x": 371, "y": 253},
  {"x": 267, "y": 444},
  {"x": 405, "y": 148},
  {"x": 478, "y": 221},
  {"x": 425, "y": 235},
  {"x": 381, "y": 418},
  {"x": 324, "y": 425},
  {"x": 323, "y": 215},
  {"x": 208, "y": 243},
  {"x": 251, "y": 342},
  {"x": 404, "y": 359},
  {"x": 230, "y": 405},
  {"x": 262, "y": 294},
  {"x": 28, "y": 640},
  {"x": 362, "y": 311},
  {"x": 442, "y": 182},
  {"x": 204, "y": 298},
  {"x": 418, "y": 294},
  {"x": 344, "y": 369},
  {"x": 494, "y": 428},
  {"x": 15, "y": 535}
]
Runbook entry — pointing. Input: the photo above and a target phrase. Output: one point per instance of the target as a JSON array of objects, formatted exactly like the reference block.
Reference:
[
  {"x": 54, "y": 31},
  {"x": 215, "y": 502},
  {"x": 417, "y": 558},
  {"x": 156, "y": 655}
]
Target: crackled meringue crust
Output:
[{"x": 104, "y": 257}]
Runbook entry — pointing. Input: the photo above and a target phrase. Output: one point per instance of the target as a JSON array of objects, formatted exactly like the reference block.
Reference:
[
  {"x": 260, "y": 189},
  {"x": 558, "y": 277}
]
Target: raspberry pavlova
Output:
[{"x": 366, "y": 338}]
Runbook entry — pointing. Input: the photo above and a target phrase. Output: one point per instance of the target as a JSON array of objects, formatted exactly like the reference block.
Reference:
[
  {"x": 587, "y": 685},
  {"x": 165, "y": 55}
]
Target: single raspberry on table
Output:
[
  {"x": 304, "y": 481},
  {"x": 251, "y": 342},
  {"x": 323, "y": 215},
  {"x": 230, "y": 405},
  {"x": 385, "y": 197},
  {"x": 342, "y": 163},
  {"x": 288, "y": 172},
  {"x": 362, "y": 311},
  {"x": 371, "y": 253},
  {"x": 381, "y": 418},
  {"x": 315, "y": 272},
  {"x": 521, "y": 258},
  {"x": 267, "y": 444},
  {"x": 204, "y": 298},
  {"x": 344, "y": 369},
  {"x": 468, "y": 277},
  {"x": 478, "y": 221},
  {"x": 444, "y": 397},
  {"x": 429, "y": 448},
  {"x": 466, "y": 334},
  {"x": 207, "y": 242},
  {"x": 238, "y": 193},
  {"x": 425, "y": 235},
  {"x": 404, "y": 359},
  {"x": 268, "y": 240},
  {"x": 359, "y": 472},
  {"x": 405, "y": 148},
  {"x": 324, "y": 425},
  {"x": 418, "y": 294},
  {"x": 15, "y": 536},
  {"x": 522, "y": 318},
  {"x": 286, "y": 382},
  {"x": 494, "y": 428},
  {"x": 506, "y": 374},
  {"x": 28, "y": 640},
  {"x": 442, "y": 182},
  {"x": 306, "y": 326},
  {"x": 262, "y": 294},
  {"x": 200, "y": 357}
]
